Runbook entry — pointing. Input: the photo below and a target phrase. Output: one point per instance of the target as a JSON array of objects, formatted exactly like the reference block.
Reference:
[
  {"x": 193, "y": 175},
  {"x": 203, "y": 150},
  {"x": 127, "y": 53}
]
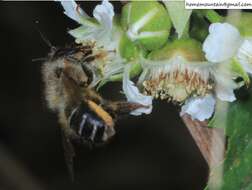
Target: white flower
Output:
[
  {"x": 225, "y": 42},
  {"x": 222, "y": 43},
  {"x": 175, "y": 79},
  {"x": 224, "y": 81},
  {"x": 109, "y": 64},
  {"x": 200, "y": 108},
  {"x": 99, "y": 31},
  {"x": 133, "y": 95},
  {"x": 105, "y": 35},
  {"x": 73, "y": 11},
  {"x": 244, "y": 55},
  {"x": 104, "y": 14},
  {"x": 189, "y": 82}
]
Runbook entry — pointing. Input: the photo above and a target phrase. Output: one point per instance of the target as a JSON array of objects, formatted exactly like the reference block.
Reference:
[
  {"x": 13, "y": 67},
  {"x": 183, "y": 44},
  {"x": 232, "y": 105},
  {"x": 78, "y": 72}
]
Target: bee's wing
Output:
[{"x": 69, "y": 154}]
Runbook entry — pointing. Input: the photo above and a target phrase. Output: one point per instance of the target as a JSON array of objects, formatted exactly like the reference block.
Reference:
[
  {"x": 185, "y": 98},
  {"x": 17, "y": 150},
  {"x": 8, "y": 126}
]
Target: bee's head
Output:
[
  {"x": 73, "y": 51},
  {"x": 75, "y": 73},
  {"x": 75, "y": 61}
]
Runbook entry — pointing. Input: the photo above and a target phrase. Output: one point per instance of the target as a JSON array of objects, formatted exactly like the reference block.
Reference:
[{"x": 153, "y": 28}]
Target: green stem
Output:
[{"x": 212, "y": 16}]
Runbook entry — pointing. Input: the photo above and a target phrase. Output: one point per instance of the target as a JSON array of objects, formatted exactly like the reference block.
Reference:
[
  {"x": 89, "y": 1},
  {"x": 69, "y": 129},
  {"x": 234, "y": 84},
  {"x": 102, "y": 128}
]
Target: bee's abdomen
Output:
[{"x": 89, "y": 126}]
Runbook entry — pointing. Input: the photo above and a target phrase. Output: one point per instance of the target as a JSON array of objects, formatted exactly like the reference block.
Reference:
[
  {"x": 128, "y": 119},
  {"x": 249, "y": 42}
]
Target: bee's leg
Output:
[
  {"x": 68, "y": 135},
  {"x": 69, "y": 154},
  {"x": 90, "y": 94},
  {"x": 118, "y": 107},
  {"x": 121, "y": 107}
]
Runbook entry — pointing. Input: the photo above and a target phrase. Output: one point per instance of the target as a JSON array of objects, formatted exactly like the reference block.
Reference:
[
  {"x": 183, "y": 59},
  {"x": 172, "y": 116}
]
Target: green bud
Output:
[
  {"x": 147, "y": 24},
  {"x": 128, "y": 49},
  {"x": 189, "y": 49}
]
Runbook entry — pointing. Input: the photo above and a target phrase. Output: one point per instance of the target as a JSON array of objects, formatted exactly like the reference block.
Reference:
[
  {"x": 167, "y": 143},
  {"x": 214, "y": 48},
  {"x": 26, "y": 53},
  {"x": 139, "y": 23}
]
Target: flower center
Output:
[
  {"x": 177, "y": 72},
  {"x": 177, "y": 82}
]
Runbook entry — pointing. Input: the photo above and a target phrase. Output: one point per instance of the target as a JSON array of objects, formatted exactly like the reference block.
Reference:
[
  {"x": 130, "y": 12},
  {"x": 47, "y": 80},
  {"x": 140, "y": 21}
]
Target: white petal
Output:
[
  {"x": 222, "y": 43},
  {"x": 100, "y": 32},
  {"x": 245, "y": 55},
  {"x": 224, "y": 93},
  {"x": 133, "y": 95},
  {"x": 73, "y": 11},
  {"x": 104, "y": 14},
  {"x": 200, "y": 108},
  {"x": 225, "y": 84},
  {"x": 83, "y": 33}
]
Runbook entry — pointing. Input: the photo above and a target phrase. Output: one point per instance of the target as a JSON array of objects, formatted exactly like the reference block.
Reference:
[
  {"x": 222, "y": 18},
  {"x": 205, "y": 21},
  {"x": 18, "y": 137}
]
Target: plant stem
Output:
[{"x": 212, "y": 16}]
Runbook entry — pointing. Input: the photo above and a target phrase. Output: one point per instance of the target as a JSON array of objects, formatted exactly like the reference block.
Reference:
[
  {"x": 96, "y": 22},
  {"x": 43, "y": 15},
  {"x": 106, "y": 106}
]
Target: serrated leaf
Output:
[
  {"x": 238, "y": 161},
  {"x": 179, "y": 15}
]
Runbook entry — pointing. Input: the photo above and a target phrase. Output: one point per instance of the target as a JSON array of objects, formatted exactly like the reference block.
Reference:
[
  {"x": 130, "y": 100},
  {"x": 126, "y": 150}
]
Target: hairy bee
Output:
[{"x": 84, "y": 116}]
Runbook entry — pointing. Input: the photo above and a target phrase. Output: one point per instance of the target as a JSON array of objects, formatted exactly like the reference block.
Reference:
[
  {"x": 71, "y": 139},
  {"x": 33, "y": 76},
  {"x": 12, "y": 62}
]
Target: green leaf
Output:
[
  {"x": 179, "y": 15},
  {"x": 238, "y": 160}
]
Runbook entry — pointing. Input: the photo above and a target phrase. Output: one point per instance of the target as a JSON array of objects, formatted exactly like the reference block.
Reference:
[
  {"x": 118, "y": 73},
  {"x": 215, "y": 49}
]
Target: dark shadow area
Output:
[{"x": 149, "y": 152}]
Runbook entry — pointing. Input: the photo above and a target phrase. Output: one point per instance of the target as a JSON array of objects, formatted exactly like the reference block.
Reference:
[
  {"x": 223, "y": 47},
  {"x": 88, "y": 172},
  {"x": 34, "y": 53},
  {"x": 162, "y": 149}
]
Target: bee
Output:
[{"x": 85, "y": 117}]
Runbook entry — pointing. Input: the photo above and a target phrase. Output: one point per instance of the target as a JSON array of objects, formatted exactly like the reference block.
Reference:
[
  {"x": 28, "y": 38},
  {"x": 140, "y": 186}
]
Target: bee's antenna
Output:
[
  {"x": 40, "y": 59},
  {"x": 46, "y": 40}
]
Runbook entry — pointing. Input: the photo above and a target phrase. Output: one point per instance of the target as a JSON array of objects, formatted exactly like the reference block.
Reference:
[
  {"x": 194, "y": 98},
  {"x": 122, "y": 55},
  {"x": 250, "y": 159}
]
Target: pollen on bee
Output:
[{"x": 101, "y": 113}]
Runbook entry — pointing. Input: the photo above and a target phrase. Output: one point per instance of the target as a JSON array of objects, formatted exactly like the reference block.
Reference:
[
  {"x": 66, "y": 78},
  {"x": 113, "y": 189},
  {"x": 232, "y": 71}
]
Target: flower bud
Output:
[
  {"x": 189, "y": 49},
  {"x": 128, "y": 50},
  {"x": 147, "y": 24}
]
